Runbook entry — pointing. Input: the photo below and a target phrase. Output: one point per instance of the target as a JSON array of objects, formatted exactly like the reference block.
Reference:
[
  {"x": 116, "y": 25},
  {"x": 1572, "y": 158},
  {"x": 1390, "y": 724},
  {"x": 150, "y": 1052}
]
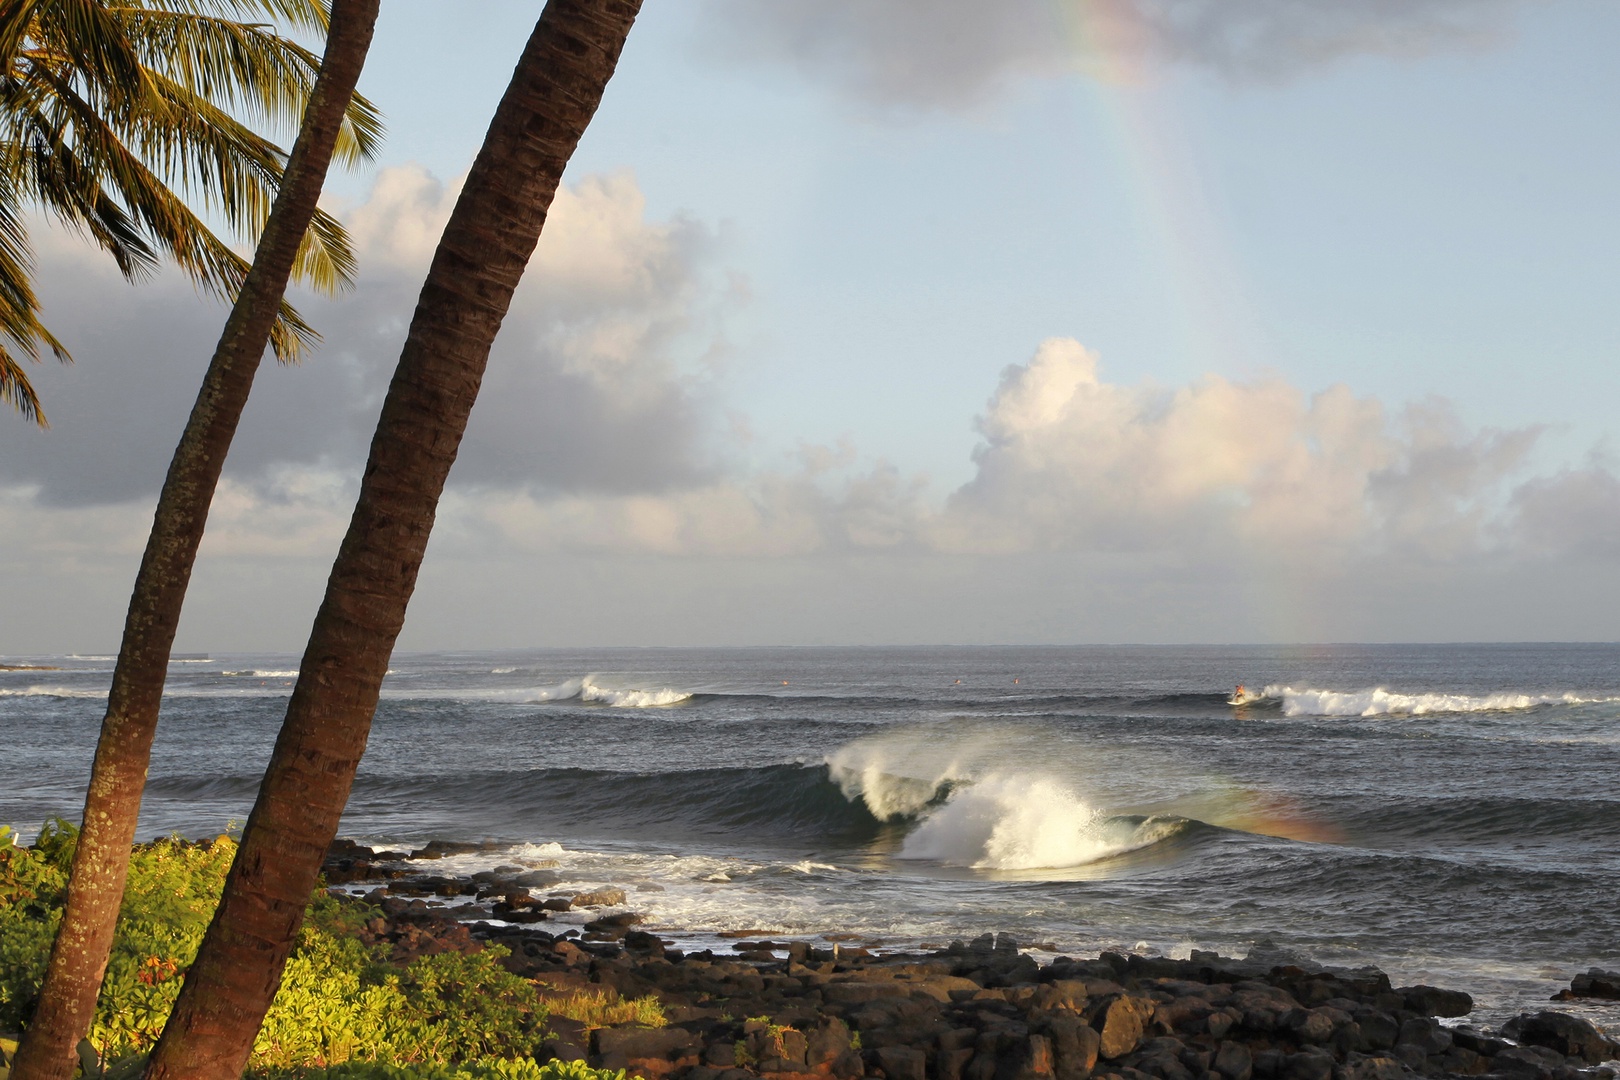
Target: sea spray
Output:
[
  {"x": 1012, "y": 822},
  {"x": 589, "y": 690},
  {"x": 1381, "y": 702},
  {"x": 897, "y": 776}
]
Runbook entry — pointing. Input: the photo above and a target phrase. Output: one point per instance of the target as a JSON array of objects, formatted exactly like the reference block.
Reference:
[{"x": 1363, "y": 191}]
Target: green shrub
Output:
[
  {"x": 603, "y": 1008},
  {"x": 489, "y": 1069},
  {"x": 340, "y": 999}
]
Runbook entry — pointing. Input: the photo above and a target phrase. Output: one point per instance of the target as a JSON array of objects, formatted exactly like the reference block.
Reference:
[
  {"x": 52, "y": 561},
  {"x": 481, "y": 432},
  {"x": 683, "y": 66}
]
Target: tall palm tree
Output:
[
  {"x": 112, "y": 806},
  {"x": 497, "y": 220},
  {"x": 114, "y": 112}
]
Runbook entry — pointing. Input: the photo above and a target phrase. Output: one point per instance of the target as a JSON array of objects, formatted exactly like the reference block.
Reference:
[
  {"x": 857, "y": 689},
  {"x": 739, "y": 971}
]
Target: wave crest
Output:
[{"x": 1381, "y": 702}]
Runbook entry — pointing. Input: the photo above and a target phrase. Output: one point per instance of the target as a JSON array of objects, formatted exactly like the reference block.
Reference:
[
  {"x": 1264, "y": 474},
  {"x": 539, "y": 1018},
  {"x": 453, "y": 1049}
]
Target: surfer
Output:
[{"x": 1238, "y": 694}]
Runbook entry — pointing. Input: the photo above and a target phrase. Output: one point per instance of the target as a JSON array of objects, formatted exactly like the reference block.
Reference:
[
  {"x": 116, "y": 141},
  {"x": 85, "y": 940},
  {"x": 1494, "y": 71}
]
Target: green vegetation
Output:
[
  {"x": 479, "y": 1070},
  {"x": 344, "y": 1012},
  {"x": 604, "y": 1008}
]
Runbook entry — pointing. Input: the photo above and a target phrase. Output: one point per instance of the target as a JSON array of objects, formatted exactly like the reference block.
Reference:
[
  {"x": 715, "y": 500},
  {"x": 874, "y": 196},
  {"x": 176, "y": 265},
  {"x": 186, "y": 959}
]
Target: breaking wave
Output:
[
  {"x": 1381, "y": 702},
  {"x": 53, "y": 691},
  {"x": 995, "y": 820}
]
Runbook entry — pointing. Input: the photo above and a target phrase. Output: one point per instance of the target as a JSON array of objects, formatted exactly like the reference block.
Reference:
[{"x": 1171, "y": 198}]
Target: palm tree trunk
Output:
[
  {"x": 492, "y": 232},
  {"x": 112, "y": 806}
]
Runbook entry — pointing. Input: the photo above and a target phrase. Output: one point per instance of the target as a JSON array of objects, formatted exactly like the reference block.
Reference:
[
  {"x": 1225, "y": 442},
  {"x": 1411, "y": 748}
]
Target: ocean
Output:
[{"x": 1448, "y": 813}]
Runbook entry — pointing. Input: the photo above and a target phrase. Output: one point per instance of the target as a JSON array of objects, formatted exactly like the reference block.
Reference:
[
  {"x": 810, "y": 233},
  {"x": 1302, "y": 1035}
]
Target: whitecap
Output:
[
  {"x": 1382, "y": 702},
  {"x": 1014, "y": 821},
  {"x": 630, "y": 699},
  {"x": 52, "y": 691}
]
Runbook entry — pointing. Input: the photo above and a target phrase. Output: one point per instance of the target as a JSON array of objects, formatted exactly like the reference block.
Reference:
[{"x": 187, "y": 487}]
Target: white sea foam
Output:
[
  {"x": 52, "y": 691},
  {"x": 630, "y": 699},
  {"x": 1381, "y": 702},
  {"x": 563, "y": 691},
  {"x": 502, "y": 670},
  {"x": 1014, "y": 821},
  {"x": 254, "y": 673},
  {"x": 897, "y": 776}
]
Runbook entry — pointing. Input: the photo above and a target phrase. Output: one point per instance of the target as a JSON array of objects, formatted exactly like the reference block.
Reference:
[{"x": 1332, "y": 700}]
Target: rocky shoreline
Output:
[{"x": 979, "y": 1010}]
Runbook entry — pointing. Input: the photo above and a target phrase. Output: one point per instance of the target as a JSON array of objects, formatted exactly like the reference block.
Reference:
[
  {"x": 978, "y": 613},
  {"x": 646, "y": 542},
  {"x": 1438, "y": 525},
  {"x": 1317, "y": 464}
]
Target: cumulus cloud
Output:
[
  {"x": 1071, "y": 460},
  {"x": 600, "y": 380},
  {"x": 955, "y": 53},
  {"x": 1218, "y": 472}
]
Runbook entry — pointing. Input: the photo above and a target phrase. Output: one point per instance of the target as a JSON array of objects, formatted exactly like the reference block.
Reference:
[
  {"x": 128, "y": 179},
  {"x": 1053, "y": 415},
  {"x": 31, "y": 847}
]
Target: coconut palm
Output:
[
  {"x": 497, "y": 220},
  {"x": 115, "y": 113},
  {"x": 79, "y": 955}
]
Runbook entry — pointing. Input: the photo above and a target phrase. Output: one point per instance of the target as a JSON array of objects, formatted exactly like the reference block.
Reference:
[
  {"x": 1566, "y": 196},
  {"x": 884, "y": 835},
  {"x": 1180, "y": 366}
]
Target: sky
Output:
[{"x": 930, "y": 321}]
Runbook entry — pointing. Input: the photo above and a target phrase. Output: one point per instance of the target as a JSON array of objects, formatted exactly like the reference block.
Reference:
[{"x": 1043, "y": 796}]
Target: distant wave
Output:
[
  {"x": 253, "y": 673},
  {"x": 1381, "y": 702},
  {"x": 53, "y": 691},
  {"x": 584, "y": 689}
]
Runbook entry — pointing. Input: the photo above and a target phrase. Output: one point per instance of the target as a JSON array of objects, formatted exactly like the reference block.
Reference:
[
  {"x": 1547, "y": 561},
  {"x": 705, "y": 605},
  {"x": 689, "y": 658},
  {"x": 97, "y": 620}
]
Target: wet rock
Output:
[
  {"x": 439, "y": 849},
  {"x": 616, "y": 921},
  {"x": 1596, "y": 983},
  {"x": 1424, "y": 1034},
  {"x": 1570, "y": 1036},
  {"x": 1433, "y": 1001},
  {"x": 1527, "y": 1061},
  {"x": 557, "y": 903},
  {"x": 536, "y": 879},
  {"x": 1378, "y": 1030},
  {"x": 604, "y": 897}
]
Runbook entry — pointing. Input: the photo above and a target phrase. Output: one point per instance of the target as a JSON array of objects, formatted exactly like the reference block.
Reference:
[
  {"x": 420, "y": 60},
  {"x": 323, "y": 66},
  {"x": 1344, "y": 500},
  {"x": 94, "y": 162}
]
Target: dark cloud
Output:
[
  {"x": 597, "y": 383},
  {"x": 953, "y": 54}
]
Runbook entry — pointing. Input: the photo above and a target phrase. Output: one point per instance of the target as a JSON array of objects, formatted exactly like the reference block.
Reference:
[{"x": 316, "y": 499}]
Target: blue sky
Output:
[
  {"x": 1439, "y": 224},
  {"x": 803, "y": 384}
]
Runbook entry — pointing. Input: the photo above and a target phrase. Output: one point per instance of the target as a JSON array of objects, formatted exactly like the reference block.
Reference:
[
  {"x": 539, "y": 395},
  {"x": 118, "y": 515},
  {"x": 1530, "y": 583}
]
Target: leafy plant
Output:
[
  {"x": 341, "y": 1000},
  {"x": 604, "y": 1008},
  {"x": 488, "y": 1069}
]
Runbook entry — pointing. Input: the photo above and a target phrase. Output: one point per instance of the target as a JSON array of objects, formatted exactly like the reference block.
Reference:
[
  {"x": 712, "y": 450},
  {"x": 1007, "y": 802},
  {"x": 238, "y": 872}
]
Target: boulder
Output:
[
  {"x": 1433, "y": 1001},
  {"x": 1121, "y": 1022},
  {"x": 1369, "y": 1067},
  {"x": 1426, "y": 1034},
  {"x": 607, "y": 896},
  {"x": 1233, "y": 1061},
  {"x": 438, "y": 849},
  {"x": 625, "y": 1044},
  {"x": 1596, "y": 983},
  {"x": 901, "y": 1062},
  {"x": 1570, "y": 1036},
  {"x": 536, "y": 879}
]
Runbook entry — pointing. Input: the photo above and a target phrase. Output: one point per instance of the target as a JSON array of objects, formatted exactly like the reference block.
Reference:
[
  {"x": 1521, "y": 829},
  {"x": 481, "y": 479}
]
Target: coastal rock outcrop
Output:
[{"x": 978, "y": 1010}]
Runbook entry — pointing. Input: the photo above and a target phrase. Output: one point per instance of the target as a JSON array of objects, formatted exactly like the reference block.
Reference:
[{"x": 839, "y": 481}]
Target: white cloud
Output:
[
  {"x": 601, "y": 378},
  {"x": 1216, "y": 473},
  {"x": 955, "y": 53},
  {"x": 1071, "y": 461}
]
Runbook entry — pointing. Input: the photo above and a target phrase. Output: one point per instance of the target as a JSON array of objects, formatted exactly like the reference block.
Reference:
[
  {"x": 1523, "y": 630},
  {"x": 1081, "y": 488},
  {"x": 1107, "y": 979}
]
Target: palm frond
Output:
[
  {"x": 129, "y": 119},
  {"x": 19, "y": 314}
]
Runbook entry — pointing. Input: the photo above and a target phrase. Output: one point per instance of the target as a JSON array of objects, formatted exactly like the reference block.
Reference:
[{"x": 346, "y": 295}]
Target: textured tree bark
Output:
[
  {"x": 492, "y": 232},
  {"x": 112, "y": 805}
]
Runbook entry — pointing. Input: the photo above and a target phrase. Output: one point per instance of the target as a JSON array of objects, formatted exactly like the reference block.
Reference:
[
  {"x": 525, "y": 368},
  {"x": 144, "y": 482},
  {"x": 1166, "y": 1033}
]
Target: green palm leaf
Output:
[{"x": 128, "y": 121}]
